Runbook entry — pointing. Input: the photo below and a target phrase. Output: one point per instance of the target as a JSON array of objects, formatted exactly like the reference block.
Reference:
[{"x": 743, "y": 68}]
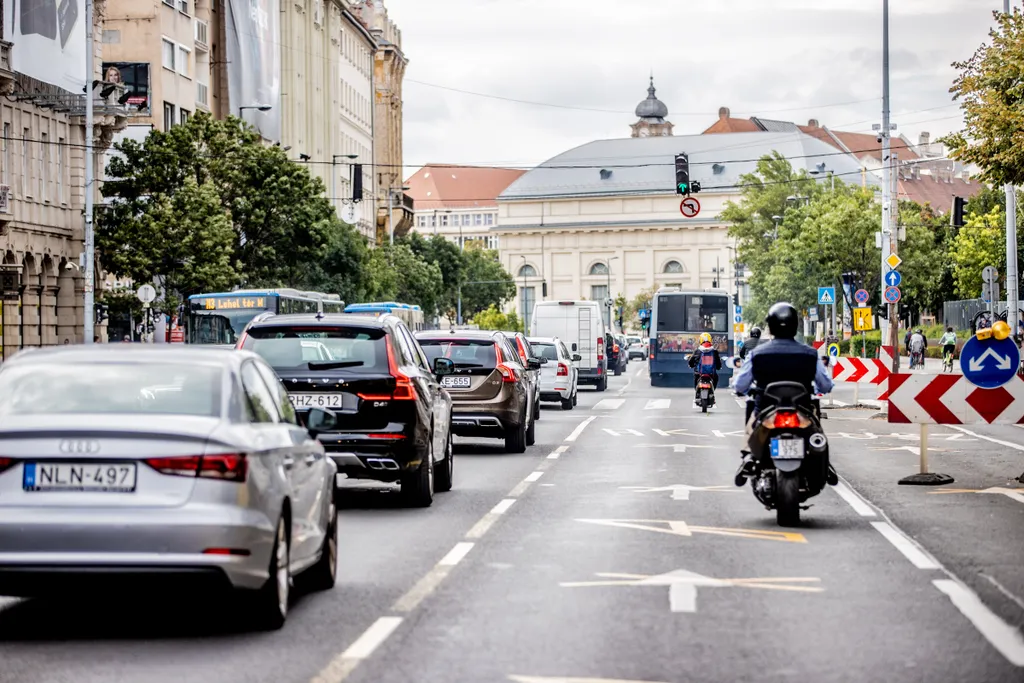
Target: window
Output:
[
  {"x": 527, "y": 297},
  {"x": 169, "y": 3},
  {"x": 673, "y": 267},
  {"x": 184, "y": 115},
  {"x": 492, "y": 241},
  {"x": 61, "y": 150},
  {"x": 488, "y": 219},
  {"x": 417, "y": 352},
  {"x": 261, "y": 401},
  {"x": 183, "y": 6},
  {"x": 168, "y": 116},
  {"x": 527, "y": 271},
  {"x": 599, "y": 269},
  {"x": 26, "y": 186},
  {"x": 45, "y": 160},
  {"x": 7, "y": 154},
  {"x": 182, "y": 62},
  {"x": 168, "y": 54},
  {"x": 444, "y": 221},
  {"x": 284, "y": 406},
  {"x": 478, "y": 219}
]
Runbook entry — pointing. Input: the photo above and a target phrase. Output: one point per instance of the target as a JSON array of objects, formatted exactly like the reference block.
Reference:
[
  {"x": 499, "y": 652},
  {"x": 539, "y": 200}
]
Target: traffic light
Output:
[
  {"x": 957, "y": 215},
  {"x": 357, "y": 182},
  {"x": 682, "y": 173},
  {"x": 544, "y": 288},
  {"x": 694, "y": 187},
  {"x": 735, "y": 299},
  {"x": 101, "y": 312}
]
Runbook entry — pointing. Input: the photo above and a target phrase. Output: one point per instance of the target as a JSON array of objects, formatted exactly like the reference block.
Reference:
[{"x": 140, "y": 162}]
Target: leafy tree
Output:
[
  {"x": 487, "y": 283},
  {"x": 494, "y": 319},
  {"x": 343, "y": 268},
  {"x": 395, "y": 273},
  {"x": 449, "y": 259},
  {"x": 992, "y": 101},
  {"x": 981, "y": 242}
]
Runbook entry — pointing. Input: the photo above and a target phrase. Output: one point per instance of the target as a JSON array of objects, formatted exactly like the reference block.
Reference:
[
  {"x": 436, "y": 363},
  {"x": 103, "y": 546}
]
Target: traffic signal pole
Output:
[{"x": 1012, "y": 304}]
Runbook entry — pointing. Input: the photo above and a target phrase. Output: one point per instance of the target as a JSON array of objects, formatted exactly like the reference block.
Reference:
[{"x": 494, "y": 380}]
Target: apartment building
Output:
[{"x": 42, "y": 167}]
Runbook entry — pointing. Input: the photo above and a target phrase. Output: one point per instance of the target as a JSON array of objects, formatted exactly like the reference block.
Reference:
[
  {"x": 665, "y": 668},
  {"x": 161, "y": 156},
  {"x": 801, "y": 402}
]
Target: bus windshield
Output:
[
  {"x": 681, "y": 318},
  {"x": 219, "y": 327}
]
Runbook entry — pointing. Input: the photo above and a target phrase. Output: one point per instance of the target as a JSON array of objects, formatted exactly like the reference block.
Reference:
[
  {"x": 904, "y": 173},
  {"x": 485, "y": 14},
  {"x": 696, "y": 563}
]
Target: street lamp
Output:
[
  {"x": 522, "y": 269},
  {"x": 777, "y": 220},
  {"x": 257, "y": 107},
  {"x": 609, "y": 297},
  {"x": 820, "y": 168}
]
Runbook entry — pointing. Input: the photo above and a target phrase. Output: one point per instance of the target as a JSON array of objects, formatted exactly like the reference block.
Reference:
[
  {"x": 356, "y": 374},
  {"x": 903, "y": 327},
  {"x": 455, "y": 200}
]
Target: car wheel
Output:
[
  {"x": 270, "y": 603},
  {"x": 418, "y": 486},
  {"x": 323, "y": 575},
  {"x": 531, "y": 433},
  {"x": 568, "y": 403},
  {"x": 602, "y": 383},
  {"x": 444, "y": 476},
  {"x": 515, "y": 438},
  {"x": 536, "y": 408},
  {"x": 575, "y": 398}
]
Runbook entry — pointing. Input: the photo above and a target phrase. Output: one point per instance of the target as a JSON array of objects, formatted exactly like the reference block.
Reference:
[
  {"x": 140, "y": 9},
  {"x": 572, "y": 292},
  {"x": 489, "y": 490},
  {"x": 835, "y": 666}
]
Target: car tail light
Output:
[
  {"x": 241, "y": 341},
  {"x": 615, "y": 348},
  {"x": 600, "y": 348},
  {"x": 237, "y": 552},
  {"x": 508, "y": 374},
  {"x": 788, "y": 420},
  {"x": 6, "y": 463},
  {"x": 563, "y": 370},
  {"x": 386, "y": 435},
  {"x": 522, "y": 351},
  {"x": 404, "y": 388},
  {"x": 223, "y": 466}
]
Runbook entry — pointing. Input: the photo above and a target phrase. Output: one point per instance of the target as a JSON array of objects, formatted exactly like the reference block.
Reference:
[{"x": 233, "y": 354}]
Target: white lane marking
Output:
[
  {"x": 372, "y": 638},
  {"x": 534, "y": 476},
  {"x": 455, "y": 555},
  {"x": 640, "y": 371},
  {"x": 856, "y": 502},
  {"x": 609, "y": 403},
  {"x": 629, "y": 380},
  {"x": 634, "y": 432},
  {"x": 519, "y": 489},
  {"x": 910, "y": 550},
  {"x": 1004, "y": 590},
  {"x": 1008, "y": 444},
  {"x": 579, "y": 428},
  {"x": 502, "y": 507},
  {"x": 483, "y": 526},
  {"x": 555, "y": 454},
  {"x": 742, "y": 403},
  {"x": 658, "y": 404},
  {"x": 1003, "y": 637},
  {"x": 563, "y": 679}
]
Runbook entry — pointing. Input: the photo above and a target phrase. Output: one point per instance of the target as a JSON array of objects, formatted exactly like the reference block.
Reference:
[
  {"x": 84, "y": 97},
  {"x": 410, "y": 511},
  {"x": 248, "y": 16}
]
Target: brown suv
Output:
[{"x": 490, "y": 389}]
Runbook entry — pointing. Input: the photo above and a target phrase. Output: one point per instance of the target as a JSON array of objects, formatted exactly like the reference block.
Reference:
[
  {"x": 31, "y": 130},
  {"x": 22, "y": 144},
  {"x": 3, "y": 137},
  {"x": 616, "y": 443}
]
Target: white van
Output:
[{"x": 580, "y": 326}]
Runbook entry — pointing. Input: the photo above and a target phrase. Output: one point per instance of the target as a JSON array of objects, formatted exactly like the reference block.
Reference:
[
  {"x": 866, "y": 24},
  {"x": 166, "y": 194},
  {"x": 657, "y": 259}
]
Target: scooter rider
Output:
[
  {"x": 751, "y": 344},
  {"x": 706, "y": 346},
  {"x": 783, "y": 359}
]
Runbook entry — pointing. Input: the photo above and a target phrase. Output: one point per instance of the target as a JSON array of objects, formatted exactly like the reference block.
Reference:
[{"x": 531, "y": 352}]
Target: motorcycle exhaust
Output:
[{"x": 817, "y": 441}]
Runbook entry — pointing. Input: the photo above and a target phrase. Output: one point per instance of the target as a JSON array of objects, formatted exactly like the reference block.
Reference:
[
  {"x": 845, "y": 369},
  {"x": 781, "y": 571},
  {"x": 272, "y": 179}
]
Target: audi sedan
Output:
[{"x": 134, "y": 467}]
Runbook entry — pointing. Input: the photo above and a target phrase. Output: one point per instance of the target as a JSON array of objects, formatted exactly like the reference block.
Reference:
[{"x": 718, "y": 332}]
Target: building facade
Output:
[{"x": 42, "y": 168}]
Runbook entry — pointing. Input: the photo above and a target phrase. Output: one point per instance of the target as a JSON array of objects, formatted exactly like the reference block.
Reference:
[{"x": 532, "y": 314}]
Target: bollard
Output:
[{"x": 924, "y": 477}]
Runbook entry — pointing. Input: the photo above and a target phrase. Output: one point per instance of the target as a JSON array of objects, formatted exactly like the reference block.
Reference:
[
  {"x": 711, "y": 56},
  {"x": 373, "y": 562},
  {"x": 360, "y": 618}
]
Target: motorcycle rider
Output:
[
  {"x": 751, "y": 344},
  {"x": 705, "y": 346},
  {"x": 782, "y": 359}
]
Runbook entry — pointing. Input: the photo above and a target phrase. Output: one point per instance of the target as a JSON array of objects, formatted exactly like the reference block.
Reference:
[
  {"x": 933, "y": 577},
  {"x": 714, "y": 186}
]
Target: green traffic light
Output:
[{"x": 682, "y": 187}]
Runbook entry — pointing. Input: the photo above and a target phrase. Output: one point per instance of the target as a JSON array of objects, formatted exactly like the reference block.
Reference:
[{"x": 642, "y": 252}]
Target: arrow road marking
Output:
[
  {"x": 678, "y": 447},
  {"x": 680, "y": 491},
  {"x": 976, "y": 364},
  {"x": 680, "y": 528}
]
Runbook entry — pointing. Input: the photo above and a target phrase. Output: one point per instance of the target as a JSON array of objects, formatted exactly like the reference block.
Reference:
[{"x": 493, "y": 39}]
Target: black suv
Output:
[{"x": 393, "y": 417}]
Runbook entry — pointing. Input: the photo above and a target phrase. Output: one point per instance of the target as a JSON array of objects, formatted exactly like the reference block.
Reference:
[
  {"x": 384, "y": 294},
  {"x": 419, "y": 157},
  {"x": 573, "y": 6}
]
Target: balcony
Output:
[
  {"x": 202, "y": 36},
  {"x": 202, "y": 95},
  {"x": 6, "y": 72}
]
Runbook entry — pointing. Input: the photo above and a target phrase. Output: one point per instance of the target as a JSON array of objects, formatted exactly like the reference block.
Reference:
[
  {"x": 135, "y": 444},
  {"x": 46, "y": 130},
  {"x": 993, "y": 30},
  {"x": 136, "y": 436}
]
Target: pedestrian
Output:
[
  {"x": 96, "y": 339},
  {"x": 126, "y": 340},
  {"x": 67, "y": 342}
]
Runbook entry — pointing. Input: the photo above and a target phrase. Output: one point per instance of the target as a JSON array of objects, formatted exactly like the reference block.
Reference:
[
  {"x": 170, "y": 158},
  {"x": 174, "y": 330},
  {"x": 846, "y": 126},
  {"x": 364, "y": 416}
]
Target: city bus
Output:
[
  {"x": 220, "y": 318},
  {"x": 410, "y": 314},
  {"x": 678, "y": 317}
]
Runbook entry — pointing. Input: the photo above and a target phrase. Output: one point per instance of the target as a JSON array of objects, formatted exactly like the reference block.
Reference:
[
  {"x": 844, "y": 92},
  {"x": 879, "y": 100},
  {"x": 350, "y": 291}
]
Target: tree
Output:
[
  {"x": 992, "y": 101},
  {"x": 395, "y": 273},
  {"x": 494, "y": 319},
  {"x": 343, "y": 269},
  {"x": 487, "y": 283},
  {"x": 981, "y": 243},
  {"x": 449, "y": 259}
]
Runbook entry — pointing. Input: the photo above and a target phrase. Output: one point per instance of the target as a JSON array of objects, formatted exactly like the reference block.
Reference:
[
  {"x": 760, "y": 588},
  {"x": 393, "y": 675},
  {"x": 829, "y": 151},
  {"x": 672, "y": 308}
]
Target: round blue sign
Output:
[
  {"x": 738, "y": 318},
  {"x": 989, "y": 363},
  {"x": 862, "y": 296},
  {"x": 893, "y": 278},
  {"x": 892, "y": 294},
  {"x": 833, "y": 350}
]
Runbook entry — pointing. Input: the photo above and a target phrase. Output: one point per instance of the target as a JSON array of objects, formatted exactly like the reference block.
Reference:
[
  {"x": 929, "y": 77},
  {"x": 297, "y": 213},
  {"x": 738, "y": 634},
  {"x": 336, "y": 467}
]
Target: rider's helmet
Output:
[
  {"x": 705, "y": 339},
  {"x": 755, "y": 332},
  {"x": 918, "y": 331},
  {"x": 949, "y": 329},
  {"x": 783, "y": 320}
]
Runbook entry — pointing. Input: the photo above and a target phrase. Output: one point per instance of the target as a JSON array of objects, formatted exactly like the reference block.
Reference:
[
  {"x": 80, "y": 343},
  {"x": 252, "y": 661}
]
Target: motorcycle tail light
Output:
[{"x": 789, "y": 420}]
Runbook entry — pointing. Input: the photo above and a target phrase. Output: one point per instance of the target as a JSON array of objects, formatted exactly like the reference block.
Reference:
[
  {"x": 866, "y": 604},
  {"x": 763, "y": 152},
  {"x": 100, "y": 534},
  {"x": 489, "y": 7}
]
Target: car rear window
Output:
[
  {"x": 465, "y": 353},
  {"x": 355, "y": 349},
  {"x": 112, "y": 388},
  {"x": 545, "y": 350}
]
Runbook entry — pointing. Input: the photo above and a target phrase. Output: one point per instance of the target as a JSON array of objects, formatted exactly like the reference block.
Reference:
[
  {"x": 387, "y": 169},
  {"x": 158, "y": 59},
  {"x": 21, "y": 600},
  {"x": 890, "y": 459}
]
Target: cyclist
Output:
[
  {"x": 917, "y": 345},
  {"x": 948, "y": 343}
]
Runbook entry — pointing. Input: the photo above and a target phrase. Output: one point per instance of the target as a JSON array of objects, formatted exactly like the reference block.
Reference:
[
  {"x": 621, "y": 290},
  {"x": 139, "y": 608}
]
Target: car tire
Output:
[
  {"x": 618, "y": 371},
  {"x": 444, "y": 477},
  {"x": 536, "y": 408},
  {"x": 568, "y": 403},
  {"x": 531, "y": 433},
  {"x": 324, "y": 574},
  {"x": 269, "y": 605},
  {"x": 602, "y": 383},
  {"x": 418, "y": 486},
  {"x": 575, "y": 398},
  {"x": 515, "y": 438}
]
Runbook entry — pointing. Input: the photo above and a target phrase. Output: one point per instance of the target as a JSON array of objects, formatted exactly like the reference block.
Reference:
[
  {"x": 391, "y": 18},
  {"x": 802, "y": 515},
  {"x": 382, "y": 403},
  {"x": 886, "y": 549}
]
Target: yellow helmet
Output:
[{"x": 705, "y": 338}]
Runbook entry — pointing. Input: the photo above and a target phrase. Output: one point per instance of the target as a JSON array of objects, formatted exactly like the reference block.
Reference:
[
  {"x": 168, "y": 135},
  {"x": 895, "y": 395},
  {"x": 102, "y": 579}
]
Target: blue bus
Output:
[
  {"x": 678, "y": 317},
  {"x": 220, "y": 318},
  {"x": 411, "y": 314}
]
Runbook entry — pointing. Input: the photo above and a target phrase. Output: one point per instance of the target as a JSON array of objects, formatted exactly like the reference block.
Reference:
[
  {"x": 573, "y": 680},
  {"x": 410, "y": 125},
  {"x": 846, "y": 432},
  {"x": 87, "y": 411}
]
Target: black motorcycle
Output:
[
  {"x": 705, "y": 392},
  {"x": 790, "y": 450}
]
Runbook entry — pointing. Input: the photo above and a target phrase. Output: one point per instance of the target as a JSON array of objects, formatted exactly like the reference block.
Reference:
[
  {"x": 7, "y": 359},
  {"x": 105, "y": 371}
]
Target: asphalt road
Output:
[{"x": 616, "y": 548}]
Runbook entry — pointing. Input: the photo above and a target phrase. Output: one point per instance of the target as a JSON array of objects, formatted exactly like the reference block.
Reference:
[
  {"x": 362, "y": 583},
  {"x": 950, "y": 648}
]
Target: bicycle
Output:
[{"x": 947, "y": 361}]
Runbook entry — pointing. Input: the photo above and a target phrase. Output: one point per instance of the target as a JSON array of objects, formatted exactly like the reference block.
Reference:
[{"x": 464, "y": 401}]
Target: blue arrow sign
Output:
[
  {"x": 989, "y": 363},
  {"x": 893, "y": 278},
  {"x": 826, "y": 295},
  {"x": 892, "y": 294},
  {"x": 737, "y": 318},
  {"x": 738, "y": 310},
  {"x": 833, "y": 350}
]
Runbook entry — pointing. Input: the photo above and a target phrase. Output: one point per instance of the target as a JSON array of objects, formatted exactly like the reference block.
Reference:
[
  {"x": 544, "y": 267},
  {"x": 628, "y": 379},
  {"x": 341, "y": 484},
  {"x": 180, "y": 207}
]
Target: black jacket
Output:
[{"x": 695, "y": 356}]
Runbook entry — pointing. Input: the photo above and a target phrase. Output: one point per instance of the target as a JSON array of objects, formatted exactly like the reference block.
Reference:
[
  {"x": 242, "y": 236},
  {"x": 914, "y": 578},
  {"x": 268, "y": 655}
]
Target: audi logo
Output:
[{"x": 79, "y": 447}]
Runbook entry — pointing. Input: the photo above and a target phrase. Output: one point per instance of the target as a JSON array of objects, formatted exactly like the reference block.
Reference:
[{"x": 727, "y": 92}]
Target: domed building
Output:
[{"x": 652, "y": 113}]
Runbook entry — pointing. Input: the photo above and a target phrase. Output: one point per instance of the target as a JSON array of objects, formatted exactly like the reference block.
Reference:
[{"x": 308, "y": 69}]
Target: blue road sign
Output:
[
  {"x": 826, "y": 295},
  {"x": 833, "y": 350},
  {"x": 862, "y": 296},
  {"x": 893, "y": 278},
  {"x": 737, "y": 319},
  {"x": 989, "y": 363},
  {"x": 738, "y": 310},
  {"x": 892, "y": 294}
]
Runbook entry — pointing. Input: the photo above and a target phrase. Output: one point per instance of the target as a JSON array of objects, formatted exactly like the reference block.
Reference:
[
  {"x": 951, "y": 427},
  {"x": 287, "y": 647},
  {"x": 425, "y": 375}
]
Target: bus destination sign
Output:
[{"x": 232, "y": 302}]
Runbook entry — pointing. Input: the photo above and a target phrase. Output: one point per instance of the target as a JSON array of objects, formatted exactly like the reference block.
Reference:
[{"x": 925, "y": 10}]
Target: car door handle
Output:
[
  {"x": 289, "y": 462},
  {"x": 311, "y": 458}
]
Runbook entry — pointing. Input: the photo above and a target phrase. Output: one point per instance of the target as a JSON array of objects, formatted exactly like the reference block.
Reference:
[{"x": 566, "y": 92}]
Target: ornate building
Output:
[{"x": 652, "y": 113}]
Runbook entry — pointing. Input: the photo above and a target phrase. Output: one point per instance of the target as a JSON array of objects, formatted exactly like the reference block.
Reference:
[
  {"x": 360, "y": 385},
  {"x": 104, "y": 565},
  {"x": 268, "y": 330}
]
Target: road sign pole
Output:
[{"x": 834, "y": 319}]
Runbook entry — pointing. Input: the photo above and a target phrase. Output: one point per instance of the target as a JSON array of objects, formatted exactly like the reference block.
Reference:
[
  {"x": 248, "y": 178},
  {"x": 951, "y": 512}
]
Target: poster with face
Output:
[
  {"x": 686, "y": 342},
  {"x": 49, "y": 39}
]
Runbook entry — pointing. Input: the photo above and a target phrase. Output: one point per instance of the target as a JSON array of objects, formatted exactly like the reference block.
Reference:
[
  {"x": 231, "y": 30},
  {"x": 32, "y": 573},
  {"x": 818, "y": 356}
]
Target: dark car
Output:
[
  {"x": 393, "y": 417},
  {"x": 616, "y": 354},
  {"x": 489, "y": 387},
  {"x": 527, "y": 354}
]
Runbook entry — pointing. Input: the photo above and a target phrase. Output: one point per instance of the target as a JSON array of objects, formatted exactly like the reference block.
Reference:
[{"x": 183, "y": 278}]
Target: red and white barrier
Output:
[
  {"x": 860, "y": 370},
  {"x": 885, "y": 355},
  {"x": 951, "y": 399}
]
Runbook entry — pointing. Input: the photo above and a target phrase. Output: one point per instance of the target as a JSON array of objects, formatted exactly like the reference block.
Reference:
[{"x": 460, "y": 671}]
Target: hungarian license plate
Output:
[
  {"x": 458, "y": 382},
  {"x": 787, "y": 449},
  {"x": 107, "y": 477},
  {"x": 703, "y": 393},
  {"x": 317, "y": 400}
]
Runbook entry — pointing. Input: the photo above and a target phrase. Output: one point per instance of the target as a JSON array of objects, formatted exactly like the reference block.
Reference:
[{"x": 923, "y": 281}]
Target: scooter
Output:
[
  {"x": 790, "y": 451},
  {"x": 706, "y": 389}
]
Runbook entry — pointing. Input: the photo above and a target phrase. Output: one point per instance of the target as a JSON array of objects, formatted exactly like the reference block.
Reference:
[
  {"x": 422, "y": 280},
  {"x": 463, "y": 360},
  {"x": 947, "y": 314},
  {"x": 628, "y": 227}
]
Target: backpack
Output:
[{"x": 706, "y": 366}]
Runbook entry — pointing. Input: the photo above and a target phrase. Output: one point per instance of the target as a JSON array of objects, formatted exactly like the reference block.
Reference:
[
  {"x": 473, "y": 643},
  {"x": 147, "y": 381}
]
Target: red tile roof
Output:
[
  {"x": 939, "y": 194},
  {"x": 728, "y": 124},
  {"x": 437, "y": 186}
]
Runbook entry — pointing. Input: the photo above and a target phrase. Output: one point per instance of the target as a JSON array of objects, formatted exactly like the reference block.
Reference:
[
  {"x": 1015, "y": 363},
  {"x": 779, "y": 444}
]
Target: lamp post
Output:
[
  {"x": 609, "y": 297},
  {"x": 522, "y": 269},
  {"x": 89, "y": 326},
  {"x": 820, "y": 168},
  {"x": 257, "y": 107}
]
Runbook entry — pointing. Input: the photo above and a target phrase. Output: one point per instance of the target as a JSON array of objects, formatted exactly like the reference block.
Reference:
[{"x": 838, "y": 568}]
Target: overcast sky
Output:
[{"x": 783, "y": 59}]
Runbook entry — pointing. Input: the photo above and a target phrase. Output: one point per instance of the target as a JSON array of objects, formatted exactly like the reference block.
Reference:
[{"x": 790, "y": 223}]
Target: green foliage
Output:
[
  {"x": 493, "y": 319},
  {"x": 447, "y": 257},
  {"x": 990, "y": 88},
  {"x": 981, "y": 242},
  {"x": 487, "y": 283},
  {"x": 395, "y": 273}
]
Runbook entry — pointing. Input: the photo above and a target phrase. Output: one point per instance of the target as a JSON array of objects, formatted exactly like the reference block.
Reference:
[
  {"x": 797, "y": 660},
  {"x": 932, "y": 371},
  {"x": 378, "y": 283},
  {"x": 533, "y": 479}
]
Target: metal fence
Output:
[{"x": 960, "y": 314}]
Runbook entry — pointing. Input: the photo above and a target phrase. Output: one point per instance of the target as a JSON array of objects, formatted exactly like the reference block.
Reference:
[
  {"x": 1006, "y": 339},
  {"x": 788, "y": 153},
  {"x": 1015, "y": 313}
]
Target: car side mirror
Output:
[
  {"x": 319, "y": 420},
  {"x": 533, "y": 364},
  {"x": 574, "y": 347},
  {"x": 443, "y": 366},
  {"x": 543, "y": 361},
  {"x": 576, "y": 357}
]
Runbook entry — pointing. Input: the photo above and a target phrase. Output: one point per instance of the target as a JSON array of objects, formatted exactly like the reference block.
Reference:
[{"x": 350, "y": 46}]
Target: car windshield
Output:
[
  {"x": 465, "y": 353},
  {"x": 359, "y": 349},
  {"x": 633, "y": 340},
  {"x": 545, "y": 350},
  {"x": 105, "y": 388}
]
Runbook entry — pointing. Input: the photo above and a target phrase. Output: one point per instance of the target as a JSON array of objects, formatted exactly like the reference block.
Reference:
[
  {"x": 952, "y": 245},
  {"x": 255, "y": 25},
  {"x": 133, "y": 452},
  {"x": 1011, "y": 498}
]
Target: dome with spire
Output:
[{"x": 652, "y": 107}]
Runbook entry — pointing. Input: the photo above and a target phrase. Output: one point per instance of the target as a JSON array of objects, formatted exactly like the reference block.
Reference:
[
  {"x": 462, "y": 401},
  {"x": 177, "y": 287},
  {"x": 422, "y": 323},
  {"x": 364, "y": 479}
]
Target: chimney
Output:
[
  {"x": 813, "y": 123},
  {"x": 925, "y": 138},
  {"x": 723, "y": 113}
]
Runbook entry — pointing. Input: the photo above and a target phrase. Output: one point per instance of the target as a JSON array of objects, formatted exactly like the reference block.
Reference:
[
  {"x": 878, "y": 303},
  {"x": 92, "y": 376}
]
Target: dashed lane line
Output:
[
  {"x": 557, "y": 453},
  {"x": 534, "y": 476},
  {"x": 859, "y": 505},
  {"x": 609, "y": 404},
  {"x": 1003, "y": 637},
  {"x": 341, "y": 666},
  {"x": 579, "y": 429},
  {"x": 910, "y": 550},
  {"x": 1008, "y": 444}
]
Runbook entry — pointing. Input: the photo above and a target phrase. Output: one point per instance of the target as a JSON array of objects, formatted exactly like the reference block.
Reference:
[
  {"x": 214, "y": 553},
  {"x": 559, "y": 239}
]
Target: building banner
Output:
[
  {"x": 49, "y": 41},
  {"x": 135, "y": 76},
  {"x": 254, "y": 63}
]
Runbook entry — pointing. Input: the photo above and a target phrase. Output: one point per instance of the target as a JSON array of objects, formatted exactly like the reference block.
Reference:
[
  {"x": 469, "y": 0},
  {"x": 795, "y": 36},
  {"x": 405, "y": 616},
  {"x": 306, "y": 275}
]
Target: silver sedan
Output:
[{"x": 162, "y": 466}]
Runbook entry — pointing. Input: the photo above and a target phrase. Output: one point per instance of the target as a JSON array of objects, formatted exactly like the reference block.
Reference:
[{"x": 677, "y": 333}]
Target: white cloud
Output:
[{"x": 811, "y": 58}]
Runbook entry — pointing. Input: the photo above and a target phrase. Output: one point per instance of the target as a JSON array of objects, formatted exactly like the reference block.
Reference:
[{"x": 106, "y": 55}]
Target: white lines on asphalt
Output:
[
  {"x": 519, "y": 489},
  {"x": 640, "y": 371},
  {"x": 502, "y": 507},
  {"x": 1008, "y": 444},
  {"x": 858, "y": 504},
  {"x": 913, "y": 552},
  {"x": 609, "y": 404},
  {"x": 341, "y": 666},
  {"x": 456, "y": 554},
  {"x": 534, "y": 476},
  {"x": 620, "y": 392},
  {"x": 612, "y": 432},
  {"x": 432, "y": 579},
  {"x": 658, "y": 404},
  {"x": 579, "y": 428},
  {"x": 555, "y": 454},
  {"x": 741, "y": 402},
  {"x": 1004, "y": 590},
  {"x": 1003, "y": 637}
]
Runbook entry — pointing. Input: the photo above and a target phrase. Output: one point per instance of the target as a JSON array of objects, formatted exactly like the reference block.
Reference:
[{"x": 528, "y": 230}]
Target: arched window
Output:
[
  {"x": 673, "y": 267},
  {"x": 599, "y": 269},
  {"x": 527, "y": 271}
]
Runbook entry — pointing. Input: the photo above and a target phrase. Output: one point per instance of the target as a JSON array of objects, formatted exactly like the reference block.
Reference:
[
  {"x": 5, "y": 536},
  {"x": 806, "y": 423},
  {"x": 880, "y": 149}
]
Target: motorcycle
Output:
[
  {"x": 706, "y": 391},
  {"x": 790, "y": 451}
]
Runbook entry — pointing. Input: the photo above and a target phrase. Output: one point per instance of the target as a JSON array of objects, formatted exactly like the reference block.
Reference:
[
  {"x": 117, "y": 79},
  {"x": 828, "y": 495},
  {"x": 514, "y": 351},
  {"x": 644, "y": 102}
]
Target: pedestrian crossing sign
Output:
[{"x": 826, "y": 296}]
